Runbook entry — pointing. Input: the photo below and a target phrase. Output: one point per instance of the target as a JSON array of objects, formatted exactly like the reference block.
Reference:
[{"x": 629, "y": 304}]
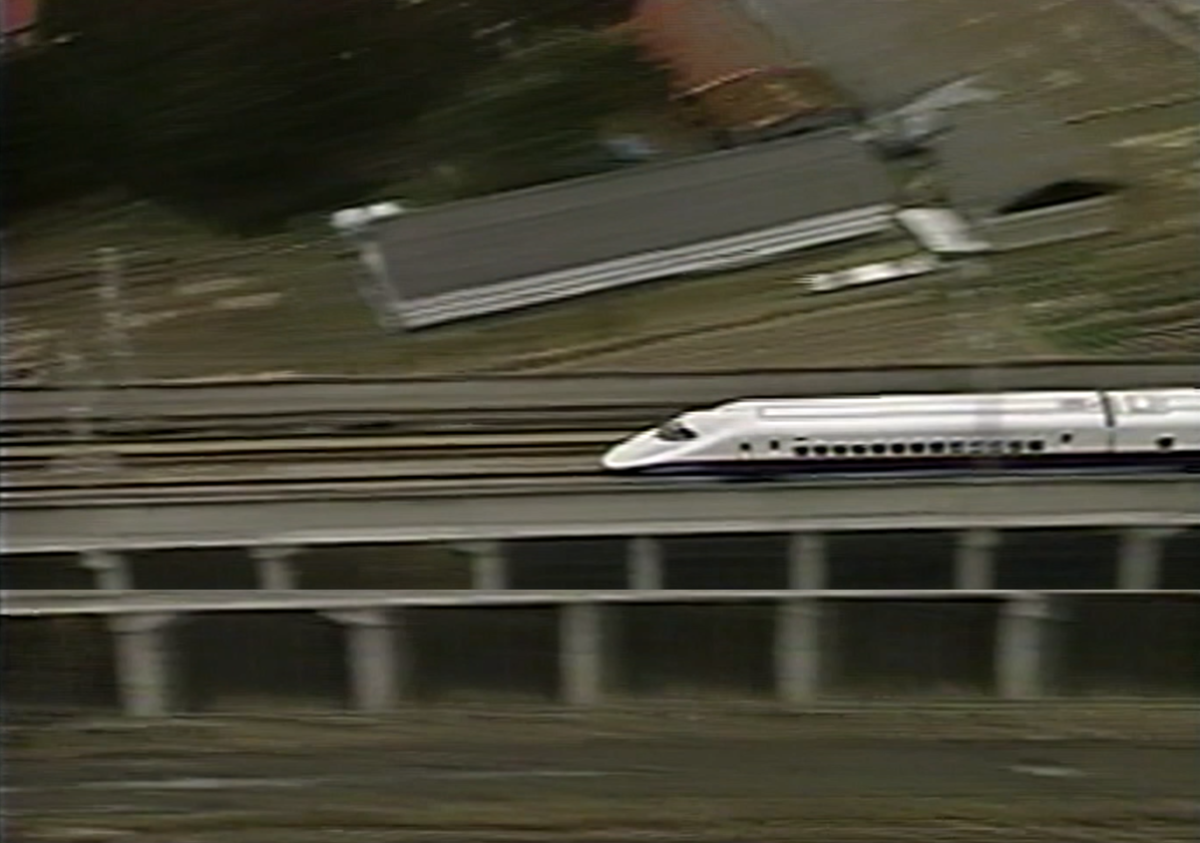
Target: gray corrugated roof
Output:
[
  {"x": 582, "y": 222},
  {"x": 883, "y": 53},
  {"x": 995, "y": 153}
]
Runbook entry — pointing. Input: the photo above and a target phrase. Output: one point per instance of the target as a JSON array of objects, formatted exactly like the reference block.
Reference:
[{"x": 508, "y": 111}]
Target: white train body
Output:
[{"x": 1064, "y": 429}]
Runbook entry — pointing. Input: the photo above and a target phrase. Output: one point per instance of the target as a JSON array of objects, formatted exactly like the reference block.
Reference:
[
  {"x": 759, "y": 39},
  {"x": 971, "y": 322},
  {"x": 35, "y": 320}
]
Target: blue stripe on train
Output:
[{"x": 1068, "y": 462}]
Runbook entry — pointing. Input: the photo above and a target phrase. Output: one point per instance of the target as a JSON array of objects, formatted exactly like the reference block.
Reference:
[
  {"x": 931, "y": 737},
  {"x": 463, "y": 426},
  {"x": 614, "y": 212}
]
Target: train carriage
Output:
[
  {"x": 1016, "y": 430},
  {"x": 1156, "y": 427}
]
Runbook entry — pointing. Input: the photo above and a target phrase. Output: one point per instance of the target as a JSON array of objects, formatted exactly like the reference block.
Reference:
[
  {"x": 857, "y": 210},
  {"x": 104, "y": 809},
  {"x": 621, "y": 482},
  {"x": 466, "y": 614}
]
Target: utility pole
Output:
[
  {"x": 116, "y": 321},
  {"x": 952, "y": 238},
  {"x": 82, "y": 455},
  {"x": 975, "y": 318}
]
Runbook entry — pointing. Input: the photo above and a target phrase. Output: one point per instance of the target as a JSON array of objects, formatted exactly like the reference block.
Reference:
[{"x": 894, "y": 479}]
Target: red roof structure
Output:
[
  {"x": 20, "y": 16},
  {"x": 701, "y": 40},
  {"x": 736, "y": 73}
]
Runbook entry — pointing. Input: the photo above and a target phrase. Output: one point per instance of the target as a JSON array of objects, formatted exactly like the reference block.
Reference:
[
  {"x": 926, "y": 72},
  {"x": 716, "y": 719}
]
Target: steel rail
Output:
[
  {"x": 16, "y": 415},
  {"x": 422, "y": 512},
  {"x": 111, "y": 427},
  {"x": 561, "y": 479},
  {"x": 603, "y": 392},
  {"x": 317, "y": 445},
  {"x": 303, "y": 476},
  {"x": 1037, "y": 367},
  {"x": 49, "y": 603},
  {"x": 297, "y": 461},
  {"x": 301, "y": 489}
]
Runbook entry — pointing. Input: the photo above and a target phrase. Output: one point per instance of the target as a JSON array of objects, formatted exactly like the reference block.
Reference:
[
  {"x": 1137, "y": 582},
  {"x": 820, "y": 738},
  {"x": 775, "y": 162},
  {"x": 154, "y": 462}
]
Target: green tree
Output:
[
  {"x": 540, "y": 108},
  {"x": 243, "y": 111}
]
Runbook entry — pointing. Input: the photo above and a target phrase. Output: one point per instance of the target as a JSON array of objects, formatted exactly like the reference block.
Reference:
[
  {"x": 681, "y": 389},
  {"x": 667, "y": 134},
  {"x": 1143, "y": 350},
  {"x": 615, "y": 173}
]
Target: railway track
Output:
[
  {"x": 42, "y": 430},
  {"x": 295, "y": 462},
  {"x": 293, "y": 438}
]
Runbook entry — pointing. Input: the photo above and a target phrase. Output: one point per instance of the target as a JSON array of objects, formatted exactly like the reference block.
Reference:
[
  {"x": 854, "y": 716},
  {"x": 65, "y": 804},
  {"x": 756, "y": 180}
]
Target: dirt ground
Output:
[
  {"x": 288, "y": 304},
  {"x": 1027, "y": 773}
]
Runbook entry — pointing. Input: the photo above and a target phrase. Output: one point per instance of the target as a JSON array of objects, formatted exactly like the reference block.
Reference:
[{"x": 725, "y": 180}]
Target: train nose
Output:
[{"x": 633, "y": 453}]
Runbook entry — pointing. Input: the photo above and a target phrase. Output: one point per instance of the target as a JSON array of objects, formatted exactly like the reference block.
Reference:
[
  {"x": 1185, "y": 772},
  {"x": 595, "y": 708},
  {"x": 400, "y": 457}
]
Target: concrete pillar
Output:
[
  {"x": 1023, "y": 646},
  {"x": 581, "y": 653},
  {"x": 1140, "y": 557},
  {"x": 371, "y": 650},
  {"x": 645, "y": 564},
  {"x": 110, "y": 570},
  {"x": 274, "y": 567},
  {"x": 975, "y": 559},
  {"x": 807, "y": 567},
  {"x": 798, "y": 649},
  {"x": 142, "y": 663},
  {"x": 489, "y": 569}
]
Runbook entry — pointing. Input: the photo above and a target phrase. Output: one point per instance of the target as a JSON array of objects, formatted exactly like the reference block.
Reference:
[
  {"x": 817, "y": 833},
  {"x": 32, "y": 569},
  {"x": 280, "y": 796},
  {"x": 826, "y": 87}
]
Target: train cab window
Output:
[
  {"x": 1036, "y": 445},
  {"x": 675, "y": 431},
  {"x": 937, "y": 447},
  {"x": 820, "y": 450},
  {"x": 918, "y": 447},
  {"x": 800, "y": 450},
  {"x": 899, "y": 448},
  {"x": 1165, "y": 443},
  {"x": 879, "y": 448},
  {"x": 858, "y": 450}
]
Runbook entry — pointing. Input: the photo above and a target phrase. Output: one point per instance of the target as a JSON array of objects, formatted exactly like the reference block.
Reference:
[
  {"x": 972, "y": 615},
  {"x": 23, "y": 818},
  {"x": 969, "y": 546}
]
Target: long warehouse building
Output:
[{"x": 706, "y": 212}]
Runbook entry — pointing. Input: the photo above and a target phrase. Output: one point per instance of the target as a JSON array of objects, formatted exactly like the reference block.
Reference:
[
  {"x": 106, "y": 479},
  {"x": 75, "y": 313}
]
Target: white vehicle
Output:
[{"x": 1065, "y": 430}]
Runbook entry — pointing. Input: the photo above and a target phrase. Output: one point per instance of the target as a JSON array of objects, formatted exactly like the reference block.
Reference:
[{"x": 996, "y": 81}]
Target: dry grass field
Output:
[
  {"x": 289, "y": 305},
  {"x": 961, "y": 774}
]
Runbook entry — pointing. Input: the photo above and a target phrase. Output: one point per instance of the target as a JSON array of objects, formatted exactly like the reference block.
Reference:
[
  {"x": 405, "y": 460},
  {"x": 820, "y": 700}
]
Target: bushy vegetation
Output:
[{"x": 243, "y": 113}]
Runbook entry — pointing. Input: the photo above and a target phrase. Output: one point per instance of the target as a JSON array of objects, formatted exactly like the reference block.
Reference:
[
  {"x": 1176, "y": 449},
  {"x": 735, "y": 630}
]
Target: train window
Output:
[
  {"x": 839, "y": 450},
  {"x": 918, "y": 447},
  {"x": 1036, "y": 445},
  {"x": 1066, "y": 438},
  {"x": 937, "y": 447},
  {"x": 996, "y": 447},
  {"x": 957, "y": 447},
  {"x": 1014, "y": 447},
  {"x": 976, "y": 448},
  {"x": 745, "y": 447},
  {"x": 1165, "y": 443},
  {"x": 674, "y": 431},
  {"x": 820, "y": 450},
  {"x": 800, "y": 450},
  {"x": 858, "y": 450},
  {"x": 899, "y": 448},
  {"x": 774, "y": 444},
  {"x": 879, "y": 448}
]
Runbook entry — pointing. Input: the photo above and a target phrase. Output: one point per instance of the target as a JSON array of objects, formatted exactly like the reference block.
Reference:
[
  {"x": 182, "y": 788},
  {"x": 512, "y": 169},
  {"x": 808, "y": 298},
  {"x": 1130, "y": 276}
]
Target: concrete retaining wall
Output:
[
  {"x": 1045, "y": 558},
  {"x": 794, "y": 647}
]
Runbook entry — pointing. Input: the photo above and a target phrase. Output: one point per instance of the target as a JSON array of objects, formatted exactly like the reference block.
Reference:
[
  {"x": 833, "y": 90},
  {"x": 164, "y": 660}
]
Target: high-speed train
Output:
[{"x": 1066, "y": 430}]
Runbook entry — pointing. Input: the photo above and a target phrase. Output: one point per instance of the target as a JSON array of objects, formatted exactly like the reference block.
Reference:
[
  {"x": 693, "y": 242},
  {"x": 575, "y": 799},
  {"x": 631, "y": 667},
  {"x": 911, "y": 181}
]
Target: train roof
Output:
[
  {"x": 1182, "y": 399},
  {"x": 1064, "y": 403}
]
